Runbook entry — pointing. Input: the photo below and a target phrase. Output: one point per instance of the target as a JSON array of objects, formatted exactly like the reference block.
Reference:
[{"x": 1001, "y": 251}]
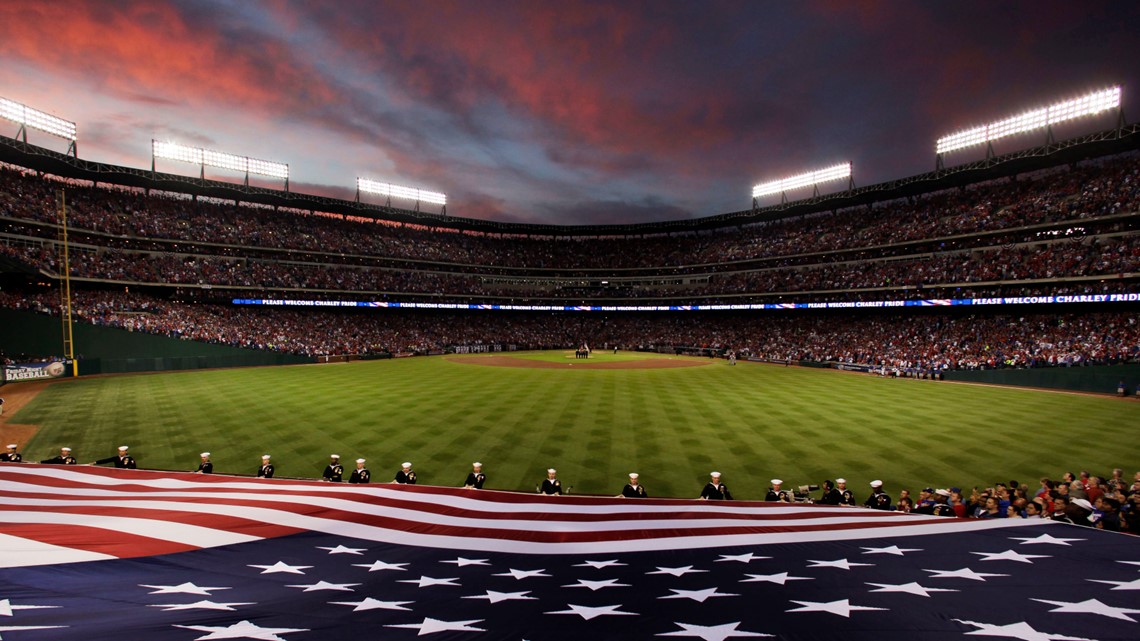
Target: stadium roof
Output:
[{"x": 1112, "y": 141}]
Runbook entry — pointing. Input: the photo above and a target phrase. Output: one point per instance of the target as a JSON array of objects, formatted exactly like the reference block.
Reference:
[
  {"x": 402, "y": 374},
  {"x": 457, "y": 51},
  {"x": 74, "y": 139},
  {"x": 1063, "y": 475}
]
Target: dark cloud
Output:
[{"x": 579, "y": 112}]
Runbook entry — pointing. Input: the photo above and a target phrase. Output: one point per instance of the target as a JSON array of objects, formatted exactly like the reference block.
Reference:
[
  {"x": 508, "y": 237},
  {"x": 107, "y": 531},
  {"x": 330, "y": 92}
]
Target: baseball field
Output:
[{"x": 671, "y": 419}]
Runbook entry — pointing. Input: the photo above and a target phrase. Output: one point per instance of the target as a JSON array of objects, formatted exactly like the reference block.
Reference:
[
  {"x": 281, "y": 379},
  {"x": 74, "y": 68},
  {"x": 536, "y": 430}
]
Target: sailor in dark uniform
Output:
[
  {"x": 715, "y": 490},
  {"x": 334, "y": 471},
  {"x": 11, "y": 456},
  {"x": 64, "y": 458},
  {"x": 406, "y": 476},
  {"x": 476, "y": 478},
  {"x": 633, "y": 490},
  {"x": 879, "y": 500},
  {"x": 831, "y": 496},
  {"x": 776, "y": 494},
  {"x": 266, "y": 469},
  {"x": 845, "y": 495},
  {"x": 551, "y": 484},
  {"x": 360, "y": 474},
  {"x": 121, "y": 460},
  {"x": 205, "y": 467},
  {"x": 942, "y": 505}
]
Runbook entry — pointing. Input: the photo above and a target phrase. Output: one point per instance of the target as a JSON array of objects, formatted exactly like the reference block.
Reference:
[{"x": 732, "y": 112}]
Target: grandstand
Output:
[{"x": 1055, "y": 224}]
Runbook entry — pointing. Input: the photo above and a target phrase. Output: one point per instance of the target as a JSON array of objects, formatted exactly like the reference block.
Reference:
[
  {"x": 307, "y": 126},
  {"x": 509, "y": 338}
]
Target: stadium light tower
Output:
[
  {"x": 808, "y": 179},
  {"x": 27, "y": 117},
  {"x": 1043, "y": 118},
  {"x": 390, "y": 191},
  {"x": 221, "y": 160}
]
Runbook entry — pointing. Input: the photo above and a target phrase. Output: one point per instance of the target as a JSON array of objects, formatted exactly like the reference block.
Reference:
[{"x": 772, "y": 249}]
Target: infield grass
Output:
[{"x": 751, "y": 422}]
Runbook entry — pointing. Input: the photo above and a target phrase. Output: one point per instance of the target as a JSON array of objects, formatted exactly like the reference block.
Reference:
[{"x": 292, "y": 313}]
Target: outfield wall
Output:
[
  {"x": 106, "y": 350},
  {"x": 1103, "y": 379}
]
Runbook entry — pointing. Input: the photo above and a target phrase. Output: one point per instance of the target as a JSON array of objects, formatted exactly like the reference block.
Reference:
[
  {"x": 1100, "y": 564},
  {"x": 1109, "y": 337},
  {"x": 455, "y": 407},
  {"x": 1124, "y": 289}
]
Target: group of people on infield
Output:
[{"x": 1111, "y": 502}]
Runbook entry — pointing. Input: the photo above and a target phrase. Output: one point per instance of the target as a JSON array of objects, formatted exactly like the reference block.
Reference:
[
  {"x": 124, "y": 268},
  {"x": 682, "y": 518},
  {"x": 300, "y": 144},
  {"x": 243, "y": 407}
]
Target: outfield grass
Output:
[{"x": 751, "y": 422}]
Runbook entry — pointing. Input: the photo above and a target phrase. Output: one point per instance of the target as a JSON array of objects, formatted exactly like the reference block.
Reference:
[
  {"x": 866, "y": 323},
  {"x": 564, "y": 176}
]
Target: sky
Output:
[{"x": 564, "y": 112}]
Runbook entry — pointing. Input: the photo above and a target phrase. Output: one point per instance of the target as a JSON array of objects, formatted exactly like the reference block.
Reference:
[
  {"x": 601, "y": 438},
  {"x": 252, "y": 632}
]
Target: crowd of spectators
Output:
[
  {"x": 1096, "y": 257},
  {"x": 1110, "y": 502},
  {"x": 930, "y": 341},
  {"x": 1095, "y": 190}
]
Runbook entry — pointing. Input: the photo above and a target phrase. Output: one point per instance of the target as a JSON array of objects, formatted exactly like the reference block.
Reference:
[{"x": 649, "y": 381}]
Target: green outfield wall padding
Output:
[
  {"x": 105, "y": 350},
  {"x": 1097, "y": 378}
]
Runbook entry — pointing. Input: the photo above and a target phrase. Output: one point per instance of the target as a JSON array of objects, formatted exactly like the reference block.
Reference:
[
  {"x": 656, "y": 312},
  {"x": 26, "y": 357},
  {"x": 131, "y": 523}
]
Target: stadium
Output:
[{"x": 948, "y": 340}]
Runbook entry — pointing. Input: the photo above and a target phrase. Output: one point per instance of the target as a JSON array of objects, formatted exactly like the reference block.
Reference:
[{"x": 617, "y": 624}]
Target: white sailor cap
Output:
[
  {"x": 1083, "y": 503},
  {"x": 840, "y": 480},
  {"x": 123, "y": 448},
  {"x": 552, "y": 471},
  {"x": 265, "y": 457},
  {"x": 715, "y": 475},
  {"x": 359, "y": 460},
  {"x": 205, "y": 455},
  {"x": 876, "y": 483},
  {"x": 65, "y": 449},
  {"x": 777, "y": 482},
  {"x": 476, "y": 464},
  {"x": 12, "y": 446},
  {"x": 633, "y": 475},
  {"x": 942, "y": 492},
  {"x": 405, "y": 465},
  {"x": 334, "y": 455}
]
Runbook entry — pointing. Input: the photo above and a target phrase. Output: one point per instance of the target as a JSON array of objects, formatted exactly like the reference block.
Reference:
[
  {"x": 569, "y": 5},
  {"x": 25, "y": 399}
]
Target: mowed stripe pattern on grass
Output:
[{"x": 751, "y": 422}]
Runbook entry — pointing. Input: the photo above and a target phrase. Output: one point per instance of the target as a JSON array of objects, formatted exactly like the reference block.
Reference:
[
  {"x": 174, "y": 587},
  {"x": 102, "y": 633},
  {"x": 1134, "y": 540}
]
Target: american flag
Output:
[{"x": 89, "y": 553}]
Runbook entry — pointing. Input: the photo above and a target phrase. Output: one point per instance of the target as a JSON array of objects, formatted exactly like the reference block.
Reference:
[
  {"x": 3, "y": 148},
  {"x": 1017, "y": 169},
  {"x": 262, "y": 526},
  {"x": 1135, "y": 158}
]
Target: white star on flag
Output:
[
  {"x": 1134, "y": 584},
  {"x": 431, "y": 626},
  {"x": 779, "y": 579},
  {"x": 682, "y": 571},
  {"x": 325, "y": 585},
  {"x": 340, "y": 549},
  {"x": 909, "y": 588},
  {"x": 696, "y": 595},
  {"x": 597, "y": 565},
  {"x": 597, "y": 585},
  {"x": 522, "y": 574},
  {"x": 427, "y": 581},
  {"x": 199, "y": 605},
  {"x": 1091, "y": 606},
  {"x": 185, "y": 588},
  {"x": 711, "y": 632},
  {"x": 1010, "y": 555},
  {"x": 1020, "y": 630},
  {"x": 13, "y": 628},
  {"x": 1045, "y": 538},
  {"x": 587, "y": 612},
  {"x": 964, "y": 573},
  {"x": 462, "y": 562},
  {"x": 6, "y": 607},
  {"x": 372, "y": 604},
  {"x": 376, "y": 566},
  {"x": 281, "y": 566},
  {"x": 739, "y": 558},
  {"x": 841, "y": 607},
  {"x": 497, "y": 597},
  {"x": 841, "y": 564},
  {"x": 241, "y": 630},
  {"x": 893, "y": 549}
]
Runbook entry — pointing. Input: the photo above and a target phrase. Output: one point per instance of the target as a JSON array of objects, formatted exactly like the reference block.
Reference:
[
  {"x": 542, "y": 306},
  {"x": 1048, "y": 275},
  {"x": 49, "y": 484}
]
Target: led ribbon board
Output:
[
  {"x": 221, "y": 160},
  {"x": 35, "y": 119},
  {"x": 1088, "y": 105},
  {"x": 837, "y": 172},
  {"x": 396, "y": 191}
]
